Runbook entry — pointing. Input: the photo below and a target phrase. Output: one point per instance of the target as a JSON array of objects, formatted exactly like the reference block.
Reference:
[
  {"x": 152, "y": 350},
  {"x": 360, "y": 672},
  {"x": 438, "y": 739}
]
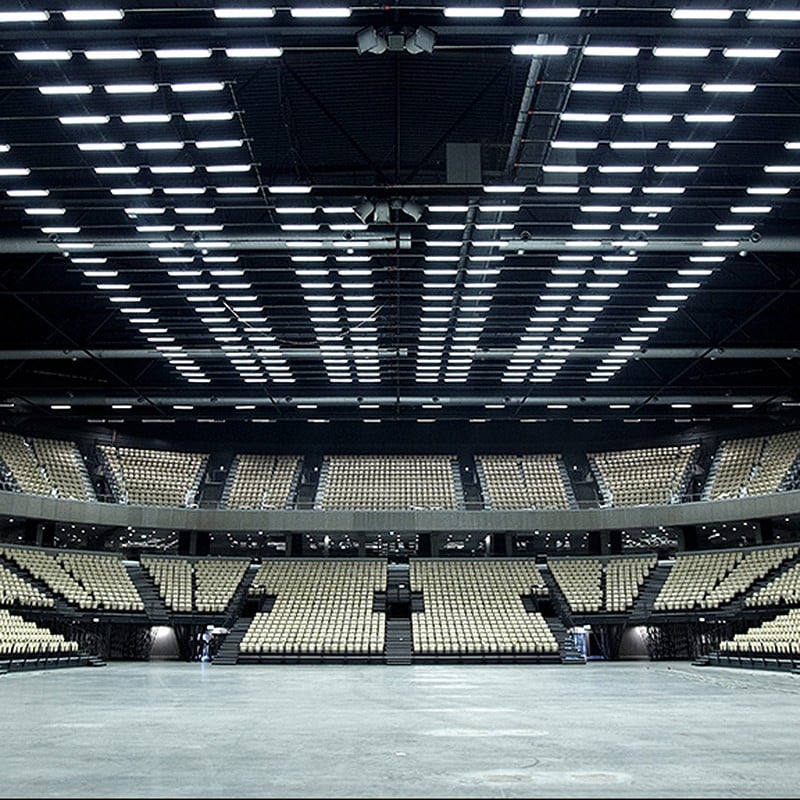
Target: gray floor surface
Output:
[{"x": 173, "y": 729}]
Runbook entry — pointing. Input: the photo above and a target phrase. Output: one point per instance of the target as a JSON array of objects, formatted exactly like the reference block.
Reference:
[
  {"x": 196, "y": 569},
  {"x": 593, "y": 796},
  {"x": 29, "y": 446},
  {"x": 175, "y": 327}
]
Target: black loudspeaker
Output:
[
  {"x": 184, "y": 543},
  {"x": 424, "y": 545},
  {"x": 615, "y": 542},
  {"x": 767, "y": 531},
  {"x": 203, "y": 543},
  {"x": 48, "y": 534},
  {"x": 30, "y": 532},
  {"x": 499, "y": 544},
  {"x": 595, "y": 543},
  {"x": 689, "y": 537},
  {"x": 463, "y": 162},
  {"x": 295, "y": 545}
]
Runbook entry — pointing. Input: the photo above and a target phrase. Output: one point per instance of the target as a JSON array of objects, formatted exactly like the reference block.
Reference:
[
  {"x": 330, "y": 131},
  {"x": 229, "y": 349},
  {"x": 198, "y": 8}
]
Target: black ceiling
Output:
[{"x": 140, "y": 291}]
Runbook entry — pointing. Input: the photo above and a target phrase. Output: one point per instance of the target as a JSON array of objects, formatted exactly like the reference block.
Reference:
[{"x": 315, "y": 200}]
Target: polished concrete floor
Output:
[{"x": 623, "y": 730}]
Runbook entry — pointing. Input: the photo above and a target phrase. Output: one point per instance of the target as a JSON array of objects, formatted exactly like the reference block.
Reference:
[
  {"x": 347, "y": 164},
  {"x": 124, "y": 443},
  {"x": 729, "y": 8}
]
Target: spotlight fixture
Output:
[
  {"x": 364, "y": 210},
  {"x": 368, "y": 40},
  {"x": 383, "y": 210},
  {"x": 413, "y": 209},
  {"x": 420, "y": 40},
  {"x": 379, "y": 40}
]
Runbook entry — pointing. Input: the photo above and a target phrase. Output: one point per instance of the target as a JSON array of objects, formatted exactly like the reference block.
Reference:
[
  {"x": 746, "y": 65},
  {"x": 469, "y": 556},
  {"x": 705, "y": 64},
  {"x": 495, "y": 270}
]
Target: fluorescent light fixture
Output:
[
  {"x": 601, "y": 209},
  {"x": 539, "y": 49},
  {"x": 135, "y": 211},
  {"x": 244, "y": 12},
  {"x": 143, "y": 119},
  {"x": 321, "y": 12},
  {"x": 501, "y": 189},
  {"x": 253, "y": 52},
  {"x": 575, "y": 117},
  {"x": 565, "y": 12},
  {"x": 683, "y": 169},
  {"x": 751, "y": 209},
  {"x": 610, "y": 189},
  {"x": 780, "y": 190},
  {"x": 573, "y": 144},
  {"x": 663, "y": 189},
  {"x": 581, "y": 86},
  {"x": 184, "y": 52},
  {"x": 559, "y": 169},
  {"x": 782, "y": 168},
  {"x": 691, "y": 145},
  {"x": 781, "y": 15},
  {"x": 198, "y": 86},
  {"x": 112, "y": 55},
  {"x": 474, "y": 12},
  {"x": 701, "y": 13},
  {"x": 663, "y": 87},
  {"x": 159, "y": 145},
  {"x": 93, "y": 14},
  {"x": 632, "y": 145},
  {"x": 172, "y": 170},
  {"x": 712, "y": 118},
  {"x": 681, "y": 52},
  {"x": 155, "y": 228},
  {"x": 131, "y": 88},
  {"x": 89, "y": 119},
  {"x": 610, "y": 51},
  {"x": 43, "y": 55},
  {"x": 237, "y": 189},
  {"x": 729, "y": 87},
  {"x": 66, "y": 230},
  {"x": 209, "y": 116},
  {"x": 101, "y": 146},
  {"x": 24, "y": 16},
  {"x": 28, "y": 192},
  {"x": 651, "y": 209},
  {"x": 622, "y": 170},
  {"x": 750, "y": 52},
  {"x": 289, "y": 189},
  {"x": 558, "y": 189},
  {"x": 211, "y": 144},
  {"x": 647, "y": 117},
  {"x": 66, "y": 89},
  {"x": 218, "y": 168}
]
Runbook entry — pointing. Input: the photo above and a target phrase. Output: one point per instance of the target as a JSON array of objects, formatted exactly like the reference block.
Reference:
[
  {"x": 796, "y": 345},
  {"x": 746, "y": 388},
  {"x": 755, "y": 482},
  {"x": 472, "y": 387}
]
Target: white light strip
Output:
[
  {"x": 112, "y": 55},
  {"x": 701, "y": 13},
  {"x": 254, "y": 52},
  {"x": 244, "y": 12},
  {"x": 610, "y": 51},
  {"x": 539, "y": 49},
  {"x": 321, "y": 12},
  {"x": 93, "y": 15},
  {"x": 473, "y": 12},
  {"x": 564, "y": 12}
]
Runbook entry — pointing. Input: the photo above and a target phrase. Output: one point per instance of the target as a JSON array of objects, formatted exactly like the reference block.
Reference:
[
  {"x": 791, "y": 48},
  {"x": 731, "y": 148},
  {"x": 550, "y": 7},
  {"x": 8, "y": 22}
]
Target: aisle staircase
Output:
[
  {"x": 397, "y": 642},
  {"x": 228, "y": 652},
  {"x": 154, "y": 606}
]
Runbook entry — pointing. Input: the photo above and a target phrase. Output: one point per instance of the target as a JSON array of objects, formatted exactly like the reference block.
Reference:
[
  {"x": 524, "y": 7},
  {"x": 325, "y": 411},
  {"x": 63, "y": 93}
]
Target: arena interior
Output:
[{"x": 373, "y": 374}]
